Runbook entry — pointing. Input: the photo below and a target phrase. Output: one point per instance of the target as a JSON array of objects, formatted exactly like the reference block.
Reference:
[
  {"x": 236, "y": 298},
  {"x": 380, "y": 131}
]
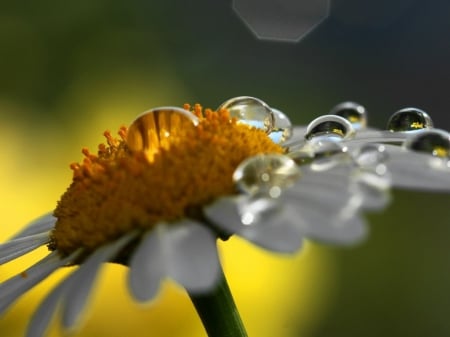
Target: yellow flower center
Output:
[{"x": 125, "y": 187}]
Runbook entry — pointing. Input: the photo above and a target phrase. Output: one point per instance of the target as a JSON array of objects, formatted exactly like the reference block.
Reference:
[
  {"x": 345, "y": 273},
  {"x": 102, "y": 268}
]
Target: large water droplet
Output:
[
  {"x": 266, "y": 175},
  {"x": 251, "y": 111},
  {"x": 355, "y": 113},
  {"x": 435, "y": 142},
  {"x": 409, "y": 119},
  {"x": 331, "y": 127},
  {"x": 151, "y": 130},
  {"x": 282, "y": 129}
]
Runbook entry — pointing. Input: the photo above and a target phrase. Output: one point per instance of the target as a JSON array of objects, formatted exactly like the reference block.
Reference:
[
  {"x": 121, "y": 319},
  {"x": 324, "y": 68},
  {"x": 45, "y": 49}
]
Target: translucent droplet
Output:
[
  {"x": 370, "y": 156},
  {"x": 282, "y": 129},
  {"x": 409, "y": 119},
  {"x": 435, "y": 142},
  {"x": 355, "y": 113},
  {"x": 266, "y": 175},
  {"x": 331, "y": 127},
  {"x": 256, "y": 209},
  {"x": 151, "y": 130},
  {"x": 251, "y": 111},
  {"x": 320, "y": 153}
]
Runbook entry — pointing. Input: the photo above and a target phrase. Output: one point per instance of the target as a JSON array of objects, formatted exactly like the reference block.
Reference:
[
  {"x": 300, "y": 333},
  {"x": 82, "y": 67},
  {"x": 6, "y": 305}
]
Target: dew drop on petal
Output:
[
  {"x": 331, "y": 127},
  {"x": 371, "y": 155},
  {"x": 409, "y": 119},
  {"x": 282, "y": 129},
  {"x": 256, "y": 208},
  {"x": 251, "y": 111},
  {"x": 151, "y": 130},
  {"x": 266, "y": 175},
  {"x": 434, "y": 142},
  {"x": 355, "y": 113},
  {"x": 327, "y": 154}
]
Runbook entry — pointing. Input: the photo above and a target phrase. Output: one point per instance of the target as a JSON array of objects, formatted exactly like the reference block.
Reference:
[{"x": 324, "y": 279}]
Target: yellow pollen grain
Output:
[{"x": 118, "y": 190}]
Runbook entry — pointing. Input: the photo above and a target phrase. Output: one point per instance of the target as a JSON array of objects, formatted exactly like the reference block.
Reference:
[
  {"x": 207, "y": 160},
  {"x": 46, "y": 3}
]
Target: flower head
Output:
[{"x": 157, "y": 197}]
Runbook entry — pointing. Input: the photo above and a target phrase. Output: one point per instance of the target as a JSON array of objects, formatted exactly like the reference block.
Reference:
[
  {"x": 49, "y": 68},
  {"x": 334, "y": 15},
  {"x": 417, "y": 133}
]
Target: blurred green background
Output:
[{"x": 70, "y": 70}]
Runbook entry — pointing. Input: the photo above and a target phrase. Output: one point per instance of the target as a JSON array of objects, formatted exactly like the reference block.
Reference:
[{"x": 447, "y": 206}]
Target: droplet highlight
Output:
[
  {"x": 354, "y": 112},
  {"x": 434, "y": 142},
  {"x": 282, "y": 129},
  {"x": 251, "y": 111},
  {"x": 408, "y": 120},
  {"x": 266, "y": 175},
  {"x": 151, "y": 130},
  {"x": 331, "y": 127}
]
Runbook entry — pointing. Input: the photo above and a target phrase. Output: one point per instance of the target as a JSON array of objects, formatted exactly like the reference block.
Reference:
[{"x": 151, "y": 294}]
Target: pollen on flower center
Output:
[{"x": 124, "y": 187}]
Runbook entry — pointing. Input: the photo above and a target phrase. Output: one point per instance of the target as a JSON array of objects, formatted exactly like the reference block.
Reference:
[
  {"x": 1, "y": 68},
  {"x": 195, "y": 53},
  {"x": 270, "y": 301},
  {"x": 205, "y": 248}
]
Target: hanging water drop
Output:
[
  {"x": 435, "y": 142},
  {"x": 251, "y": 111},
  {"x": 331, "y": 127},
  {"x": 151, "y": 130},
  {"x": 266, "y": 175},
  {"x": 355, "y": 113},
  {"x": 409, "y": 119},
  {"x": 282, "y": 129}
]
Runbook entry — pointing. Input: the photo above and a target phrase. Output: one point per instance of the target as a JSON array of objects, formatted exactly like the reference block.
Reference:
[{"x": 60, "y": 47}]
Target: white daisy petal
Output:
[
  {"x": 16, "y": 286},
  {"x": 18, "y": 247},
  {"x": 46, "y": 310},
  {"x": 42, "y": 224},
  {"x": 83, "y": 279},
  {"x": 147, "y": 265},
  {"x": 413, "y": 170},
  {"x": 192, "y": 258},
  {"x": 261, "y": 221}
]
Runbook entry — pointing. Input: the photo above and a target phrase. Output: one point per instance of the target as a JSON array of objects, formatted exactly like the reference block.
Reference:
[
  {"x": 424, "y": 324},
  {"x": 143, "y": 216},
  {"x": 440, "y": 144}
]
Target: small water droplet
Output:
[
  {"x": 251, "y": 111},
  {"x": 282, "y": 129},
  {"x": 321, "y": 154},
  {"x": 371, "y": 155},
  {"x": 435, "y": 142},
  {"x": 355, "y": 113},
  {"x": 409, "y": 119},
  {"x": 266, "y": 175},
  {"x": 151, "y": 130},
  {"x": 331, "y": 127},
  {"x": 255, "y": 209}
]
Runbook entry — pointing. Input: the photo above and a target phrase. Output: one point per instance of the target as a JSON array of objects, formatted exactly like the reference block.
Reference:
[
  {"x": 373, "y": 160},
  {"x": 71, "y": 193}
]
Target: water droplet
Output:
[
  {"x": 282, "y": 129},
  {"x": 251, "y": 111},
  {"x": 435, "y": 142},
  {"x": 409, "y": 119},
  {"x": 370, "y": 156},
  {"x": 151, "y": 130},
  {"x": 355, "y": 113},
  {"x": 331, "y": 127},
  {"x": 255, "y": 209},
  {"x": 266, "y": 175}
]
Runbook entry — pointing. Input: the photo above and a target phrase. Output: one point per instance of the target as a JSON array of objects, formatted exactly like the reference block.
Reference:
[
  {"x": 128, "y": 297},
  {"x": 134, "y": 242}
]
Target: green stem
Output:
[{"x": 218, "y": 312}]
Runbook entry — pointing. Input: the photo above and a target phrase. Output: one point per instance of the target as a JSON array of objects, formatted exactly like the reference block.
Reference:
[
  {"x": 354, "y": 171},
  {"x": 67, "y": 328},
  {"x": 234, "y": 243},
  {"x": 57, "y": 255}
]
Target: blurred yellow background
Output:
[{"x": 70, "y": 70}]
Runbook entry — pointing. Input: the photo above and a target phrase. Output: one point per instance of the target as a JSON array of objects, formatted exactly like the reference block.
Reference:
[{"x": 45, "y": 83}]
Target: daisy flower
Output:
[{"x": 156, "y": 199}]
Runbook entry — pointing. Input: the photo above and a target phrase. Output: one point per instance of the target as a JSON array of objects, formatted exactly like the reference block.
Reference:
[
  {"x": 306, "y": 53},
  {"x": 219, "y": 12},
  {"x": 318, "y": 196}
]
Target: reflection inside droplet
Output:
[
  {"x": 251, "y": 111},
  {"x": 409, "y": 119},
  {"x": 266, "y": 175},
  {"x": 355, "y": 113},
  {"x": 282, "y": 129},
  {"x": 151, "y": 131},
  {"x": 435, "y": 142},
  {"x": 331, "y": 127}
]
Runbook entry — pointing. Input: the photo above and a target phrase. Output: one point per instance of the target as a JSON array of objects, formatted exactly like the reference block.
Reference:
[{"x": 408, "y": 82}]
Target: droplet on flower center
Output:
[
  {"x": 151, "y": 130},
  {"x": 355, "y": 113},
  {"x": 251, "y": 111},
  {"x": 266, "y": 175},
  {"x": 434, "y": 142},
  {"x": 282, "y": 129},
  {"x": 409, "y": 119},
  {"x": 331, "y": 127}
]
